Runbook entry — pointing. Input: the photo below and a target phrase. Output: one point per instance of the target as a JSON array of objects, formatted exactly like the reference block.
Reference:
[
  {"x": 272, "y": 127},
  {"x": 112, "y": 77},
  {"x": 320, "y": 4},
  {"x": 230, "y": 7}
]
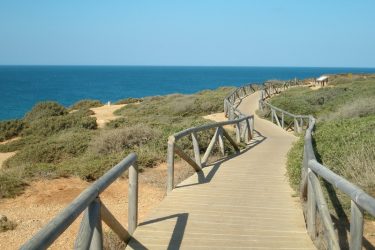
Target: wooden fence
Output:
[
  {"x": 311, "y": 190},
  {"x": 90, "y": 234},
  {"x": 281, "y": 118},
  {"x": 244, "y": 132},
  {"x": 244, "y": 127}
]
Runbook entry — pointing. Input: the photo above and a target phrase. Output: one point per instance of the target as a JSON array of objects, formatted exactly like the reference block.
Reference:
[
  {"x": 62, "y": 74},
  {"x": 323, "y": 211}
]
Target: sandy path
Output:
[
  {"x": 219, "y": 117},
  {"x": 5, "y": 156},
  {"x": 105, "y": 114}
]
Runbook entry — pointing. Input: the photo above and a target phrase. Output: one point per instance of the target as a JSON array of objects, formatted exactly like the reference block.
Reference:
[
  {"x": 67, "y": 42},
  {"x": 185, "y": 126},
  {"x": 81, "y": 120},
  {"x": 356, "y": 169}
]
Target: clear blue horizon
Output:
[{"x": 241, "y": 33}]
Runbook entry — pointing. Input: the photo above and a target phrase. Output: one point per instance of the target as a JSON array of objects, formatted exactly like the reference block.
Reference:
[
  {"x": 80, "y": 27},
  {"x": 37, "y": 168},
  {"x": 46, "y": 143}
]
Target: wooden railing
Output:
[
  {"x": 311, "y": 190},
  {"x": 90, "y": 234},
  {"x": 244, "y": 132},
  {"x": 281, "y": 118},
  {"x": 233, "y": 100}
]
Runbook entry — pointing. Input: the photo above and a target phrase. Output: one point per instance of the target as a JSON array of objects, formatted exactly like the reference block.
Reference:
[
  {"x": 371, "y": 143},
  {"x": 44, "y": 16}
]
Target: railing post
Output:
[
  {"x": 221, "y": 141},
  {"x": 197, "y": 154},
  {"x": 356, "y": 227},
  {"x": 238, "y": 133},
  {"x": 311, "y": 208},
  {"x": 90, "y": 231},
  {"x": 170, "y": 163},
  {"x": 133, "y": 199},
  {"x": 272, "y": 114},
  {"x": 225, "y": 108},
  {"x": 282, "y": 120},
  {"x": 252, "y": 127}
]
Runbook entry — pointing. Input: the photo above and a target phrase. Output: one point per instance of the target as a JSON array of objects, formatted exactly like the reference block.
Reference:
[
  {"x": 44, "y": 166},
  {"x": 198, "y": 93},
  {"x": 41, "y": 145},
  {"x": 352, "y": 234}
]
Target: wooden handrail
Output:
[
  {"x": 244, "y": 132},
  {"x": 311, "y": 188},
  {"x": 91, "y": 236},
  {"x": 244, "y": 127}
]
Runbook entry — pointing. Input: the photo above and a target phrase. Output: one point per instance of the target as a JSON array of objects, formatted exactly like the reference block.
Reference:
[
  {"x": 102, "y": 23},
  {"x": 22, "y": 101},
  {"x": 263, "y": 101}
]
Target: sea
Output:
[{"x": 21, "y": 87}]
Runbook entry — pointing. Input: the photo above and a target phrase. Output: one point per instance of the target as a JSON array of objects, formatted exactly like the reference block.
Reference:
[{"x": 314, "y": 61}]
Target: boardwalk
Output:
[{"x": 240, "y": 203}]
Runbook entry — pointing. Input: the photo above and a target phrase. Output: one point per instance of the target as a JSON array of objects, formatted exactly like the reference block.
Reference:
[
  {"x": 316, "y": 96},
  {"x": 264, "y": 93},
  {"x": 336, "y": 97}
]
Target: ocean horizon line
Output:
[{"x": 182, "y": 66}]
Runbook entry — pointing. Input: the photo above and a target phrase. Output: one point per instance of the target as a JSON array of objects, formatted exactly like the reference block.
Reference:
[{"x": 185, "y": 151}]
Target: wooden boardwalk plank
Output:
[{"x": 242, "y": 203}]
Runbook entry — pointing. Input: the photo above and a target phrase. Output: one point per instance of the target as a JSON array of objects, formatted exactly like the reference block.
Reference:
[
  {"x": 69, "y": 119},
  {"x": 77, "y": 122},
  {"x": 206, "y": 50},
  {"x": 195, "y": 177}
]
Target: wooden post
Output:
[
  {"x": 170, "y": 163},
  {"x": 238, "y": 133},
  {"x": 133, "y": 199},
  {"x": 356, "y": 227},
  {"x": 282, "y": 119},
  {"x": 221, "y": 141},
  {"x": 90, "y": 232},
  {"x": 114, "y": 224},
  {"x": 197, "y": 154},
  {"x": 231, "y": 141},
  {"x": 296, "y": 129},
  {"x": 187, "y": 158},
  {"x": 210, "y": 146},
  {"x": 311, "y": 209},
  {"x": 272, "y": 115},
  {"x": 252, "y": 127},
  {"x": 277, "y": 119}
]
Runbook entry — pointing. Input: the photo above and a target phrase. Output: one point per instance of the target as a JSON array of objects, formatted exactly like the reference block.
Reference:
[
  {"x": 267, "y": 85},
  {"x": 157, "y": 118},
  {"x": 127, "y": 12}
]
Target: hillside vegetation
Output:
[
  {"x": 344, "y": 138},
  {"x": 60, "y": 142}
]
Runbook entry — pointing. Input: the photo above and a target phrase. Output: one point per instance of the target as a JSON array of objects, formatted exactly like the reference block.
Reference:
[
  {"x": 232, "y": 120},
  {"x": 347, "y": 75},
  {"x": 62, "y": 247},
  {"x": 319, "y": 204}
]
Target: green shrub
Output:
[
  {"x": 358, "y": 108},
  {"x": 294, "y": 163},
  {"x": 10, "y": 129},
  {"x": 86, "y": 104},
  {"x": 117, "y": 140},
  {"x": 45, "y": 110},
  {"x": 10, "y": 185},
  {"x": 6, "y": 224},
  {"x": 51, "y": 125},
  {"x": 129, "y": 100},
  {"x": 51, "y": 150}
]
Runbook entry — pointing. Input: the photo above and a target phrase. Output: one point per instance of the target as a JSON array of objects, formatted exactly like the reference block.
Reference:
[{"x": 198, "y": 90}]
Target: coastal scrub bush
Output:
[
  {"x": 44, "y": 110},
  {"x": 51, "y": 150},
  {"x": 10, "y": 129},
  {"x": 294, "y": 163},
  {"x": 117, "y": 140},
  {"x": 129, "y": 100},
  {"x": 86, "y": 104},
  {"x": 47, "y": 126},
  {"x": 10, "y": 185},
  {"x": 62, "y": 144},
  {"x": 6, "y": 224},
  {"x": 358, "y": 108}
]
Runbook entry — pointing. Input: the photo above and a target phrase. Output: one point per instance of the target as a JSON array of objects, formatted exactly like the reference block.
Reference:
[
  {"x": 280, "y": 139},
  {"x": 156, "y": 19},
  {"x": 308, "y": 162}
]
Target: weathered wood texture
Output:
[
  {"x": 240, "y": 203},
  {"x": 90, "y": 235},
  {"x": 311, "y": 189},
  {"x": 244, "y": 132}
]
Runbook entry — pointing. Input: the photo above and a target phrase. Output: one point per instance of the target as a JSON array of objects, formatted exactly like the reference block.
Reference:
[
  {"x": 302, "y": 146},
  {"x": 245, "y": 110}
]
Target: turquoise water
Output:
[{"x": 23, "y": 86}]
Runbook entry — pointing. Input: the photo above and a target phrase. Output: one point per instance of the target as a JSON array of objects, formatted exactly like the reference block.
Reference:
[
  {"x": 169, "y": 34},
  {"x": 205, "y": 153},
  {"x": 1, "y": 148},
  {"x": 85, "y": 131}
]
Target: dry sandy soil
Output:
[
  {"x": 219, "y": 117},
  {"x": 105, "y": 114},
  {"x": 6, "y": 156},
  {"x": 43, "y": 200}
]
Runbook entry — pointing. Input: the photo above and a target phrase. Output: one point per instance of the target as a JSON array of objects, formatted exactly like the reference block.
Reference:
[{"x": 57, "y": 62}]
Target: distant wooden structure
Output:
[{"x": 322, "y": 80}]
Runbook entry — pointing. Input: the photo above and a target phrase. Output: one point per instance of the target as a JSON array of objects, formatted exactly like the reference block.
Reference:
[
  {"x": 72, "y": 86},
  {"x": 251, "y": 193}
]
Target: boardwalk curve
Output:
[{"x": 243, "y": 202}]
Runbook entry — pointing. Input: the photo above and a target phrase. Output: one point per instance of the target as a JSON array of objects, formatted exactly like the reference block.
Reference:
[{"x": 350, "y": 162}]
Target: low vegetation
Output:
[
  {"x": 60, "y": 142},
  {"x": 86, "y": 104},
  {"x": 344, "y": 138},
  {"x": 6, "y": 224}
]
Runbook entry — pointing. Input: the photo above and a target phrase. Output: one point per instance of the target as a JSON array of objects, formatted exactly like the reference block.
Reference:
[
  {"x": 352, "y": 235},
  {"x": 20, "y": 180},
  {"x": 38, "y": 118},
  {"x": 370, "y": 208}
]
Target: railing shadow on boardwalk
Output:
[
  {"x": 177, "y": 234},
  {"x": 202, "y": 178}
]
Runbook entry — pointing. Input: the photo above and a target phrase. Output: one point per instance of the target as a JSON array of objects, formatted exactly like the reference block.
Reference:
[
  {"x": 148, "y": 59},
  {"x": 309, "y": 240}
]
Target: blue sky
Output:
[{"x": 195, "y": 32}]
